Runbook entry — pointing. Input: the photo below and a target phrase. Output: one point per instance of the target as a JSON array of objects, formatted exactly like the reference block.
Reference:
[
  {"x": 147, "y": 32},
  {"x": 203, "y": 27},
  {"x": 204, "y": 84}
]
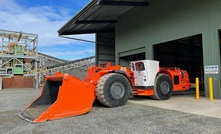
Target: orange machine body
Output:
[
  {"x": 179, "y": 78},
  {"x": 96, "y": 72},
  {"x": 64, "y": 95}
]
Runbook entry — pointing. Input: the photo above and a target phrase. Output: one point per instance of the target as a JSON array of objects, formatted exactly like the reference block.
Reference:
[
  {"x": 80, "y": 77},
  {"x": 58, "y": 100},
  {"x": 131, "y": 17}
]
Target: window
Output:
[{"x": 139, "y": 66}]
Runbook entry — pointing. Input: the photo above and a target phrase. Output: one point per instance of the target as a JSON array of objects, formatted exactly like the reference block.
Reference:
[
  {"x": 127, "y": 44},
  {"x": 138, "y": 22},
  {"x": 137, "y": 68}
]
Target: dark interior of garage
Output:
[
  {"x": 185, "y": 53},
  {"x": 220, "y": 43},
  {"x": 126, "y": 59}
]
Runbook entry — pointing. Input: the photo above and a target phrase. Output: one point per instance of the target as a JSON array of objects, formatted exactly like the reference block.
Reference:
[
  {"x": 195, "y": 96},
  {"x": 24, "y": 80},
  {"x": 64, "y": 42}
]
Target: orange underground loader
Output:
[{"x": 64, "y": 95}]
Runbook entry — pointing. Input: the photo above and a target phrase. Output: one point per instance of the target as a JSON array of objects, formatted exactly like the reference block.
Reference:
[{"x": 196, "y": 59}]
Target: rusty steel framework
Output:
[{"x": 19, "y": 55}]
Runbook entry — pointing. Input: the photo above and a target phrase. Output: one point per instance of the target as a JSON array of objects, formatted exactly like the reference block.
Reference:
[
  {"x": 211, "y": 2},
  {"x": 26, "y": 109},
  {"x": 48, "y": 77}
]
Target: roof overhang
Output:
[{"x": 99, "y": 16}]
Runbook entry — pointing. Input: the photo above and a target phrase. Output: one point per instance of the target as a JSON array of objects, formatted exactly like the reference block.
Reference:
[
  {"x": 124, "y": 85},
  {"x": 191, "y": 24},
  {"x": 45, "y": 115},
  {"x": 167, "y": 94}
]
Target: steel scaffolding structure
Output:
[{"x": 19, "y": 55}]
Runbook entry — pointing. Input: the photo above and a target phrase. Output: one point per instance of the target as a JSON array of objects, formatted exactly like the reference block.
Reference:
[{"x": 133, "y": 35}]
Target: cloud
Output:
[{"x": 43, "y": 20}]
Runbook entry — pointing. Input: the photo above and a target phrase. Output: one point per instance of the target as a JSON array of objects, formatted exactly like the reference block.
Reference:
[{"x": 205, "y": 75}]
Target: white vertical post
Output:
[{"x": 0, "y": 83}]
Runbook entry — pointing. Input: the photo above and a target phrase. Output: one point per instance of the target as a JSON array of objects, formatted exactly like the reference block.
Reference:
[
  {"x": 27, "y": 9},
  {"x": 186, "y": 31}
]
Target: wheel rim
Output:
[
  {"x": 164, "y": 87},
  {"x": 117, "y": 90}
]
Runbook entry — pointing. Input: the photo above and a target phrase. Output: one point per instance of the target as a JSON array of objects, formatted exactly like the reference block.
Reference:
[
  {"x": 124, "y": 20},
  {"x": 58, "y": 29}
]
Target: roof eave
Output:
[{"x": 75, "y": 18}]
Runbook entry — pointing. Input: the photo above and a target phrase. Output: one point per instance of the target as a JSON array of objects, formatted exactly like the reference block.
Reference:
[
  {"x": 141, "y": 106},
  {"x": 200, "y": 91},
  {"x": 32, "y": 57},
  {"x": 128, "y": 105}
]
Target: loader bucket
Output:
[{"x": 61, "y": 96}]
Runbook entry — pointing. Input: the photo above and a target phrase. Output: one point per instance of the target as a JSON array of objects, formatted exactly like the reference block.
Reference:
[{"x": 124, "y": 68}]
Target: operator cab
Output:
[{"x": 145, "y": 72}]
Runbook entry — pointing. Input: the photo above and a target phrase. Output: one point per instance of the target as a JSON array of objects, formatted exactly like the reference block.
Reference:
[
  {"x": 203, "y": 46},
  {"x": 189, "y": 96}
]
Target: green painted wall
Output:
[
  {"x": 105, "y": 48},
  {"x": 169, "y": 20}
]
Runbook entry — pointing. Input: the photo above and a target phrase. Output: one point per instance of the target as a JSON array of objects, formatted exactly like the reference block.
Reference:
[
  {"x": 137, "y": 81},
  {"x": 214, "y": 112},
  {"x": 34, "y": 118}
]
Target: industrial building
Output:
[
  {"x": 22, "y": 66},
  {"x": 179, "y": 33},
  {"x": 18, "y": 59}
]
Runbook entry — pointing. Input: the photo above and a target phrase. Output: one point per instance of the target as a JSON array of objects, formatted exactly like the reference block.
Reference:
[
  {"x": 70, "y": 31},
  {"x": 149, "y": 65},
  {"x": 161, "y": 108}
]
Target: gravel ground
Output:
[{"x": 130, "y": 118}]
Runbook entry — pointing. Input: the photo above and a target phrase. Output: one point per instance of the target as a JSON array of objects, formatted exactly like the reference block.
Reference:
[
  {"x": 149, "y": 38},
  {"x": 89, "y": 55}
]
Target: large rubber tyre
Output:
[
  {"x": 163, "y": 87},
  {"x": 113, "y": 90}
]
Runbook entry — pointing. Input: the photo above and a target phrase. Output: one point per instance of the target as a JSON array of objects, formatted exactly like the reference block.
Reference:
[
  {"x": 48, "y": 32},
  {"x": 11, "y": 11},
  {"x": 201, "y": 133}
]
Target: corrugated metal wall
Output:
[
  {"x": 169, "y": 20},
  {"x": 105, "y": 48},
  {"x": 17, "y": 82}
]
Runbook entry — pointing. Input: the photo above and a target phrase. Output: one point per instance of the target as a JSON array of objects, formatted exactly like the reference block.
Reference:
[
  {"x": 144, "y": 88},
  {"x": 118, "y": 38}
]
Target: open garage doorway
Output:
[
  {"x": 220, "y": 42},
  {"x": 185, "y": 53},
  {"x": 124, "y": 60}
]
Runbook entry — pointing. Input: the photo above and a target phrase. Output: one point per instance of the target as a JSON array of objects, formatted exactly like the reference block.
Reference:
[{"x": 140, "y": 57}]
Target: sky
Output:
[{"x": 45, "y": 18}]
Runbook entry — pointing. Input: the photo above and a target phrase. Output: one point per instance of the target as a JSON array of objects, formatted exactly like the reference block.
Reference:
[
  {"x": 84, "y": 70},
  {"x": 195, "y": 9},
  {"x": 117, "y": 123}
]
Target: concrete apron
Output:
[{"x": 185, "y": 103}]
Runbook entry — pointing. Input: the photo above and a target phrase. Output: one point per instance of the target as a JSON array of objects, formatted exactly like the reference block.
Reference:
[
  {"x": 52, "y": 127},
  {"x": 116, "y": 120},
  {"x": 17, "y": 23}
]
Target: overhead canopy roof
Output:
[{"x": 99, "y": 16}]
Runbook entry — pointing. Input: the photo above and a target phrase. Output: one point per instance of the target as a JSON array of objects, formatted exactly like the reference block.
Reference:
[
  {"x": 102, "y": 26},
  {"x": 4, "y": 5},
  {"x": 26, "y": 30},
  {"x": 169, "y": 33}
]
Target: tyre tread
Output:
[{"x": 100, "y": 89}]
